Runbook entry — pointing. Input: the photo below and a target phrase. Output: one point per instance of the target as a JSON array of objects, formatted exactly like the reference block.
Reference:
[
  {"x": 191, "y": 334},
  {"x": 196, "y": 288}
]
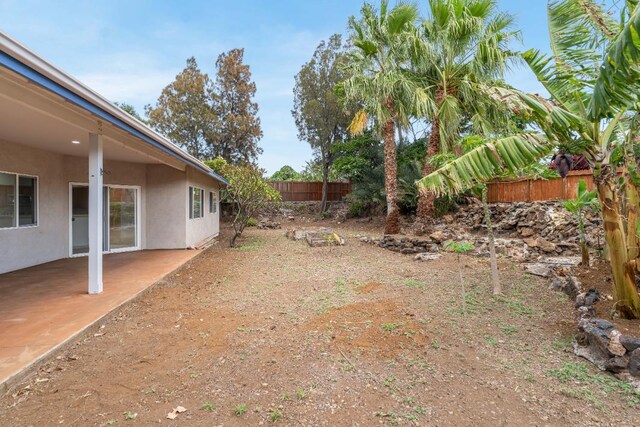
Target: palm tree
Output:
[
  {"x": 463, "y": 50},
  {"x": 593, "y": 77},
  {"x": 380, "y": 84}
]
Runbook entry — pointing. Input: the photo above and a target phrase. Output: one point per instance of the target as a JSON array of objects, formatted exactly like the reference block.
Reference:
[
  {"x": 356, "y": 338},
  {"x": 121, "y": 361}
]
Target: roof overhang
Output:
[{"x": 25, "y": 63}]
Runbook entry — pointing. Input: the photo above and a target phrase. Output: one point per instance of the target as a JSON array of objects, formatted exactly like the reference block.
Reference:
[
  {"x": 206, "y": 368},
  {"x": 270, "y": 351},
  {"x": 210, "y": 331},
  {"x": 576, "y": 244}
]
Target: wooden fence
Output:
[
  {"x": 530, "y": 190},
  {"x": 310, "y": 191}
]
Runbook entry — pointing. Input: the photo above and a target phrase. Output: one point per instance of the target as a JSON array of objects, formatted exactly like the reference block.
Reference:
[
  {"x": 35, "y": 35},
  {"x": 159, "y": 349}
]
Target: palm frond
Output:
[
  {"x": 485, "y": 162},
  {"x": 359, "y": 123},
  {"x": 618, "y": 84}
]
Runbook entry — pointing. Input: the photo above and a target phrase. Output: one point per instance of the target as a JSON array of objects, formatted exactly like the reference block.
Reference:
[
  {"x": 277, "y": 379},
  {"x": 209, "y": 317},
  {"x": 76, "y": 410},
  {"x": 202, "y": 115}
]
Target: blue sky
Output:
[{"x": 130, "y": 50}]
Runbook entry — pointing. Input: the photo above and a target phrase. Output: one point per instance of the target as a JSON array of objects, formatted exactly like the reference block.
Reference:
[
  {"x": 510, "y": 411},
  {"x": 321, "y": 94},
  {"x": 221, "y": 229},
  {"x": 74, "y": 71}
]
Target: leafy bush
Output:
[
  {"x": 286, "y": 173},
  {"x": 252, "y": 222},
  {"x": 249, "y": 192}
]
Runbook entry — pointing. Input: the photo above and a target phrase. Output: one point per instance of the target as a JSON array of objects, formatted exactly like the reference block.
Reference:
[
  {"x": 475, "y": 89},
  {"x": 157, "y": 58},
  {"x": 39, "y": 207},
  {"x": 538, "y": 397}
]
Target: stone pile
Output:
[
  {"x": 547, "y": 226},
  {"x": 599, "y": 342}
]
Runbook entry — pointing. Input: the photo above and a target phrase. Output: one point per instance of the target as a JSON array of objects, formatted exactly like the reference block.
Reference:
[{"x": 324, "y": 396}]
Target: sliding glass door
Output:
[{"x": 121, "y": 219}]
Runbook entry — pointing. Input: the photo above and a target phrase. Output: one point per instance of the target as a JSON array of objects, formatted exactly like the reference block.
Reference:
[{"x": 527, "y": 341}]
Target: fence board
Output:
[
  {"x": 530, "y": 190},
  {"x": 310, "y": 191}
]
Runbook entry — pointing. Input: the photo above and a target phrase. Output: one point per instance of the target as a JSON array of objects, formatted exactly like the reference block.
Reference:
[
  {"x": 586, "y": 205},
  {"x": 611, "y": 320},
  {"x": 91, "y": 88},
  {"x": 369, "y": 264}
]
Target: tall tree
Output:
[
  {"x": 130, "y": 109},
  {"x": 378, "y": 81},
  {"x": 321, "y": 118},
  {"x": 236, "y": 136},
  {"x": 463, "y": 49},
  {"x": 593, "y": 76},
  {"x": 183, "y": 111}
]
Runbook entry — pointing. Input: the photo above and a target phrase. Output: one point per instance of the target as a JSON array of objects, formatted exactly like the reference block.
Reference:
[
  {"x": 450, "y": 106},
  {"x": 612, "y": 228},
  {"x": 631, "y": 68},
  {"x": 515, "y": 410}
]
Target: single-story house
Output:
[{"x": 80, "y": 177}]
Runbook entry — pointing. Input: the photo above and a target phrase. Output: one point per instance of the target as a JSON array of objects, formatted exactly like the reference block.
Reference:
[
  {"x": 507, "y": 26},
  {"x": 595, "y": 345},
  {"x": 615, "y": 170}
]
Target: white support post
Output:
[{"x": 95, "y": 213}]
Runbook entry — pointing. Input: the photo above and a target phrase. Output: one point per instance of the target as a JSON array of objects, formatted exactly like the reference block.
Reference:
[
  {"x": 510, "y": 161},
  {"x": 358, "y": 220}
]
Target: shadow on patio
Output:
[{"x": 41, "y": 307}]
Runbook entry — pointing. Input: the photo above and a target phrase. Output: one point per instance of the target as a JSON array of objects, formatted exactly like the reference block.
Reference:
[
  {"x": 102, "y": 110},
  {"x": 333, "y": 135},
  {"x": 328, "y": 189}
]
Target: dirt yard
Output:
[{"x": 277, "y": 332}]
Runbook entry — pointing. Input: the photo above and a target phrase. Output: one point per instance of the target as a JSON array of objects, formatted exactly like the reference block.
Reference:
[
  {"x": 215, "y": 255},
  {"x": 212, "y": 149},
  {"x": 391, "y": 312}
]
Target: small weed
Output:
[
  {"x": 240, "y": 409},
  {"x": 346, "y": 366},
  {"x": 112, "y": 422},
  {"x": 414, "y": 284},
  {"x": 530, "y": 378},
  {"x": 508, "y": 329},
  {"x": 128, "y": 415},
  {"x": 275, "y": 415},
  {"x": 435, "y": 345},
  {"x": 285, "y": 397},
  {"x": 578, "y": 373},
  {"x": 516, "y": 306},
  {"x": 563, "y": 344},
  {"x": 390, "y": 327},
  {"x": 301, "y": 394},
  {"x": 491, "y": 341},
  {"x": 150, "y": 390},
  {"x": 420, "y": 410},
  {"x": 208, "y": 406},
  {"x": 409, "y": 400},
  {"x": 389, "y": 381}
]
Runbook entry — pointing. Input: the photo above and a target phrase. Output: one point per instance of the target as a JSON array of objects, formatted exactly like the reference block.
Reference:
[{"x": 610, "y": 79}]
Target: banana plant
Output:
[
  {"x": 593, "y": 78},
  {"x": 586, "y": 201}
]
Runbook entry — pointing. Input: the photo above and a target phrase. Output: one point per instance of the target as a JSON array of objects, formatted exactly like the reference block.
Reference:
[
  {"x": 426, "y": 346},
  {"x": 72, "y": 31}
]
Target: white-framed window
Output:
[
  {"x": 196, "y": 202},
  {"x": 213, "y": 202},
  {"x": 18, "y": 200}
]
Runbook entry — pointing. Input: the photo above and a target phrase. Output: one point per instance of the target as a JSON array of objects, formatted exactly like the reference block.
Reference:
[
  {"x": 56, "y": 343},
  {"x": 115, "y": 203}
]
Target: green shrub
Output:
[{"x": 252, "y": 222}]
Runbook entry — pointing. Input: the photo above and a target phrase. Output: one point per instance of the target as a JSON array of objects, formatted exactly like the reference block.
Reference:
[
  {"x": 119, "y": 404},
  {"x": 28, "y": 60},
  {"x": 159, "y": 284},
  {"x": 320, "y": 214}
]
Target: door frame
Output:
[{"x": 138, "y": 212}]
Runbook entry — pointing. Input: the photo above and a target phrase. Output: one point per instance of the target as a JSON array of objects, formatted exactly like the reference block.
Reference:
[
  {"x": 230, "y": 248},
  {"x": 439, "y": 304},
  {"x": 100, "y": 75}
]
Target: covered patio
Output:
[{"x": 42, "y": 307}]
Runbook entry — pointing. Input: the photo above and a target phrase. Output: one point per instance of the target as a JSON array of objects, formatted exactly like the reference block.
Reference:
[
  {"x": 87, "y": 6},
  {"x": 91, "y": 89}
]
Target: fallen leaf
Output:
[{"x": 174, "y": 414}]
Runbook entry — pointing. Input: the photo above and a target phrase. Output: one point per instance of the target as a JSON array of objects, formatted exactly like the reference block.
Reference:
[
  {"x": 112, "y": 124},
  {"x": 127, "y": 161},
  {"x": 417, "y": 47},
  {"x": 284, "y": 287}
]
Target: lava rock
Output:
[
  {"x": 617, "y": 364},
  {"x": 629, "y": 342},
  {"x": 634, "y": 363},
  {"x": 427, "y": 256}
]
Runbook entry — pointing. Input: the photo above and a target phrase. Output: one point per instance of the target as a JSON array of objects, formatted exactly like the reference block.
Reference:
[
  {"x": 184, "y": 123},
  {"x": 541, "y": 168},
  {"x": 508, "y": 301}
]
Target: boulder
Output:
[
  {"x": 593, "y": 340},
  {"x": 545, "y": 245},
  {"x": 569, "y": 285},
  {"x": 438, "y": 236},
  {"x": 615, "y": 347},
  {"x": 269, "y": 225},
  {"x": 629, "y": 342},
  {"x": 617, "y": 364},
  {"x": 634, "y": 363},
  {"x": 425, "y": 256},
  {"x": 527, "y": 232},
  {"x": 325, "y": 237},
  {"x": 538, "y": 269}
]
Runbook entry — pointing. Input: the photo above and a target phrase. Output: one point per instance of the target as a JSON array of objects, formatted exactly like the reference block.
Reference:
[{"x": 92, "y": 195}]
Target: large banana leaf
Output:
[
  {"x": 618, "y": 84},
  {"x": 510, "y": 153}
]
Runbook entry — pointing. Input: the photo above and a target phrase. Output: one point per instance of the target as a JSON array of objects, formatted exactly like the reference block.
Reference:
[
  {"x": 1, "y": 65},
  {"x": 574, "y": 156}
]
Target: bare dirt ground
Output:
[{"x": 277, "y": 332}]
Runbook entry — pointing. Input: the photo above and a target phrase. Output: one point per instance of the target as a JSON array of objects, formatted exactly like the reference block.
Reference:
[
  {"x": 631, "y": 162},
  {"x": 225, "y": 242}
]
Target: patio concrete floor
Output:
[{"x": 41, "y": 307}]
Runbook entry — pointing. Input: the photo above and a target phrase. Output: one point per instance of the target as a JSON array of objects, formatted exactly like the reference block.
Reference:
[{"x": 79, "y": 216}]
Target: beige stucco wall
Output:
[
  {"x": 200, "y": 229},
  {"x": 166, "y": 214},
  {"x": 164, "y": 204},
  {"x": 117, "y": 173},
  {"x": 23, "y": 247}
]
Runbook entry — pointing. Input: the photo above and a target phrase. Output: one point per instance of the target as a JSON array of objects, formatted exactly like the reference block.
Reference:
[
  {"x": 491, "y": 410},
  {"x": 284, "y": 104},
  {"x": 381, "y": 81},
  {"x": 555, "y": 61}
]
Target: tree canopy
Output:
[{"x": 211, "y": 118}]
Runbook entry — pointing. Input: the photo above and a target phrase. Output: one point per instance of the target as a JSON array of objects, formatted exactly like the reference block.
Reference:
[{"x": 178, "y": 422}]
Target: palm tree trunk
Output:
[
  {"x": 625, "y": 291},
  {"x": 426, "y": 199},
  {"x": 495, "y": 278},
  {"x": 390, "y": 177}
]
